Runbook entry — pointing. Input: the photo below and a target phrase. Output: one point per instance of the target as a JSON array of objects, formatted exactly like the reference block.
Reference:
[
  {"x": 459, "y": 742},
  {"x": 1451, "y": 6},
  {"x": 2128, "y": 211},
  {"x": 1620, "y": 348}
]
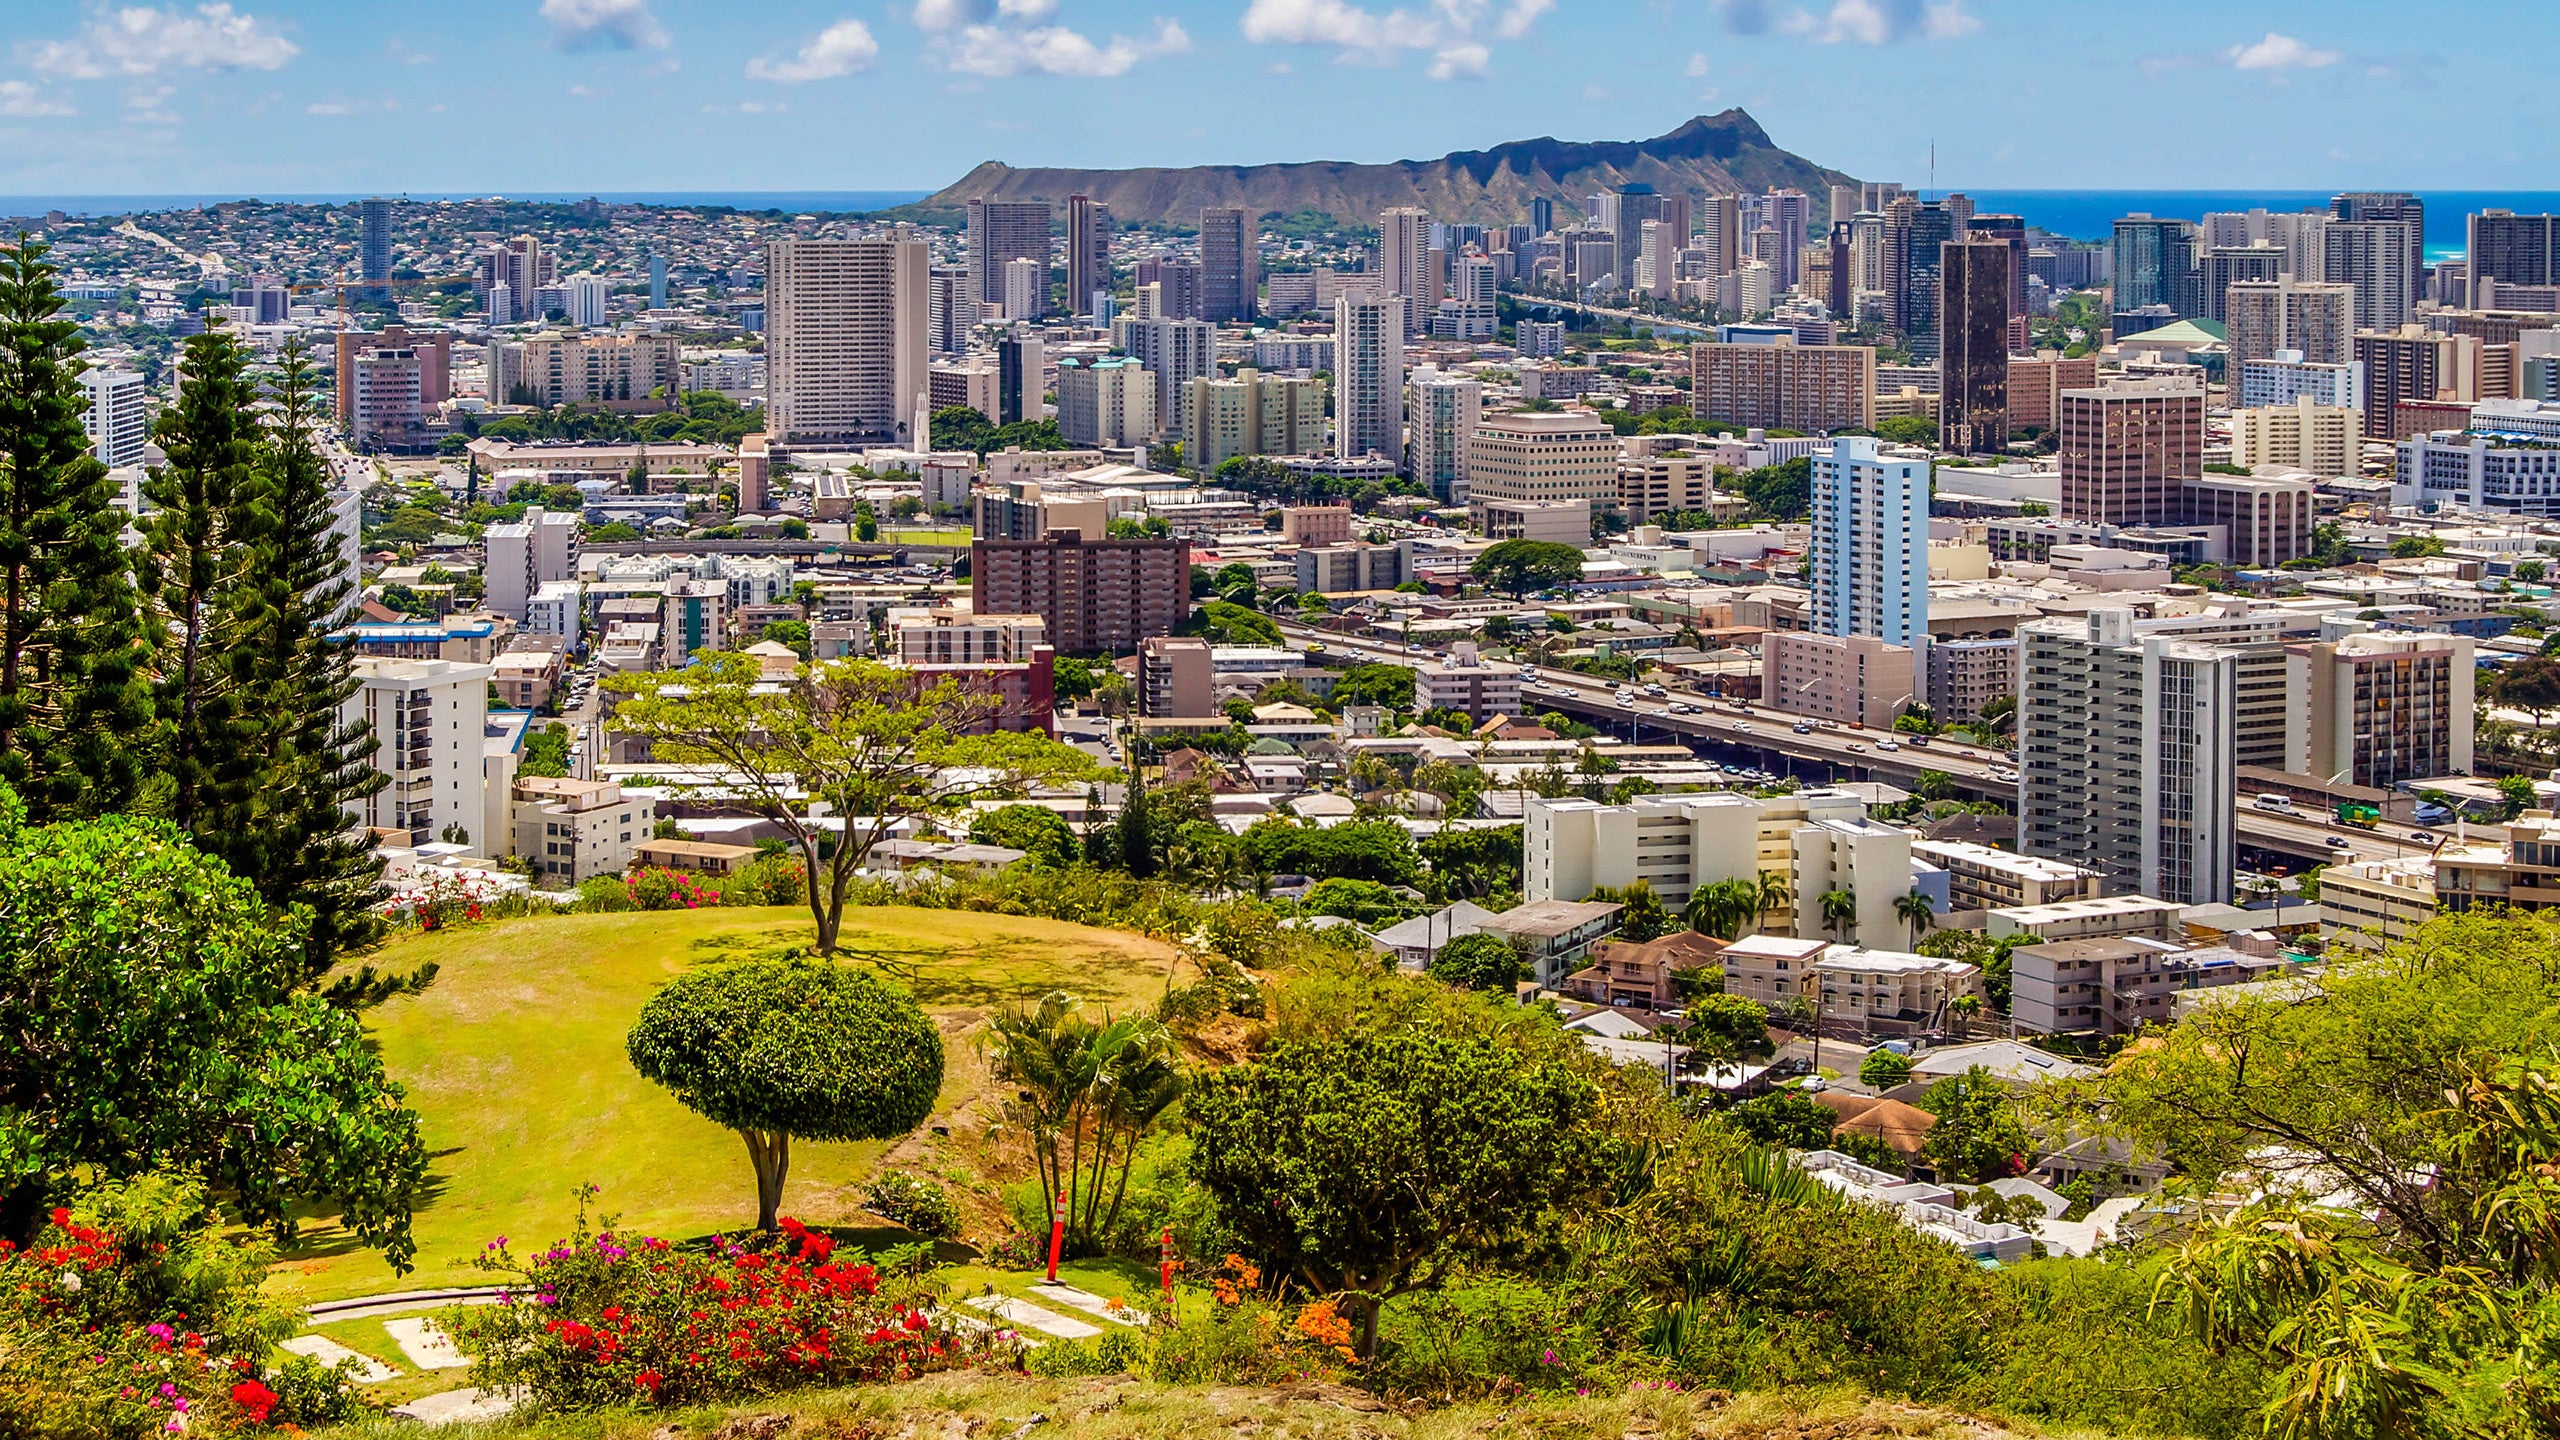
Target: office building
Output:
[
  {"x": 2156, "y": 263},
  {"x": 2266, "y": 519},
  {"x": 387, "y": 399},
  {"x": 1368, "y": 397},
  {"x": 2304, "y": 435},
  {"x": 2036, "y": 383},
  {"x": 1230, "y": 269},
  {"x": 2379, "y": 710},
  {"x": 1441, "y": 415},
  {"x": 427, "y": 719},
  {"x": 845, "y": 338},
  {"x": 1838, "y": 679},
  {"x": 1020, "y": 382},
  {"x": 1542, "y": 456},
  {"x": 1812, "y": 388},
  {"x": 1923, "y": 230},
  {"x": 2128, "y": 448},
  {"x": 521, "y": 557},
  {"x": 116, "y": 420},
  {"x": 657, "y": 282},
  {"x": 1088, "y": 252},
  {"x": 2478, "y": 472},
  {"x": 1870, "y": 541},
  {"x": 2411, "y": 363},
  {"x": 1404, "y": 259},
  {"x": 1176, "y": 352},
  {"x": 2264, "y": 318},
  {"x": 1973, "y": 354},
  {"x": 2128, "y": 749},
  {"x": 1096, "y": 596},
  {"x": 1107, "y": 402},
  {"x": 1252, "y": 414},
  {"x": 1002, "y": 231},
  {"x": 2286, "y": 377}
]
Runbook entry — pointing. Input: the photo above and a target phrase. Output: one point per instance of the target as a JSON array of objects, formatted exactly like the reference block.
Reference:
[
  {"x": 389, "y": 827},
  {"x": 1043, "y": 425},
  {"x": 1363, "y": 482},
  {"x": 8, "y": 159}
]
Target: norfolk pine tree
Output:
[{"x": 72, "y": 697}]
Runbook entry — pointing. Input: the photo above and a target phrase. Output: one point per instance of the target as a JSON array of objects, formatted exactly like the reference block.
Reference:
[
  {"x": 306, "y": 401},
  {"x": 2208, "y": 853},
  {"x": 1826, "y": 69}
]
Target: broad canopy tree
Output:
[
  {"x": 1517, "y": 567},
  {"x": 780, "y": 1048},
  {"x": 872, "y": 744}
]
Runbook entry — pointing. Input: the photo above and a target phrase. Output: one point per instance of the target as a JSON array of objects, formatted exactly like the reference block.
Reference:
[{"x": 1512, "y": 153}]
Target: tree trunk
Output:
[
  {"x": 769, "y": 1151},
  {"x": 1369, "y": 1305}
]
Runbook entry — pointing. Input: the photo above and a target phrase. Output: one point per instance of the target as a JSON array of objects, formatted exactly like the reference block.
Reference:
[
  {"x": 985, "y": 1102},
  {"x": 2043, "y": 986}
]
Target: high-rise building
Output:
[
  {"x": 524, "y": 266},
  {"x": 518, "y": 559},
  {"x": 1786, "y": 215},
  {"x": 951, "y": 309},
  {"x": 2036, "y": 383},
  {"x": 2129, "y": 755},
  {"x": 846, "y": 326},
  {"x": 2513, "y": 249},
  {"x": 1542, "y": 216},
  {"x": 1973, "y": 356},
  {"x": 2411, "y": 363},
  {"x": 1812, "y": 388},
  {"x": 2381, "y": 258},
  {"x": 2398, "y": 206},
  {"x": 2156, "y": 263},
  {"x": 2285, "y": 377},
  {"x": 2265, "y": 316},
  {"x": 1088, "y": 252},
  {"x": 1542, "y": 457},
  {"x": 374, "y": 254},
  {"x": 1026, "y": 288},
  {"x": 1930, "y": 226},
  {"x": 1230, "y": 268},
  {"x": 117, "y": 423},
  {"x": 1368, "y": 360},
  {"x": 1019, "y": 380},
  {"x": 1441, "y": 414},
  {"x": 1404, "y": 244},
  {"x": 2378, "y": 710},
  {"x": 2229, "y": 265},
  {"x": 266, "y": 299},
  {"x": 1096, "y": 596},
  {"x": 1869, "y": 553},
  {"x": 1720, "y": 234},
  {"x": 387, "y": 401},
  {"x": 2304, "y": 435},
  {"x": 616, "y": 372},
  {"x": 1002, "y": 230},
  {"x": 589, "y": 298},
  {"x": 657, "y": 282},
  {"x": 426, "y": 717},
  {"x": 2127, "y": 450},
  {"x": 1176, "y": 352},
  {"x": 2009, "y": 230},
  {"x": 1252, "y": 414},
  {"x": 1106, "y": 402},
  {"x": 498, "y": 304},
  {"x": 1179, "y": 288}
]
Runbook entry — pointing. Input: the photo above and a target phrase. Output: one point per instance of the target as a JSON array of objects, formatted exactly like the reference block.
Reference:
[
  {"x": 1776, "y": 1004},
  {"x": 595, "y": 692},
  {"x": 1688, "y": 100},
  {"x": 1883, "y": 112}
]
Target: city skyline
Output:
[{"x": 288, "y": 96}]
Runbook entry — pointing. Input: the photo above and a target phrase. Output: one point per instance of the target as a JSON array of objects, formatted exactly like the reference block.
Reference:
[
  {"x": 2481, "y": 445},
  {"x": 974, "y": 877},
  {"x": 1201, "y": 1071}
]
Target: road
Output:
[{"x": 1853, "y": 753}]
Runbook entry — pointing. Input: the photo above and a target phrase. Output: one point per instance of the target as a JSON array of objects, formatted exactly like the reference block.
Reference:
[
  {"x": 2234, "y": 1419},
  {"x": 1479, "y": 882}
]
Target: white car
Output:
[{"x": 1887, "y": 745}]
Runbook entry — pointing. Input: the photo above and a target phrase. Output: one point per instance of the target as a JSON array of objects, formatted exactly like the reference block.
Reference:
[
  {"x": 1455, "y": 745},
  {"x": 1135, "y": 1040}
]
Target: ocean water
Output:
[
  {"x": 2091, "y": 214},
  {"x": 793, "y": 200}
]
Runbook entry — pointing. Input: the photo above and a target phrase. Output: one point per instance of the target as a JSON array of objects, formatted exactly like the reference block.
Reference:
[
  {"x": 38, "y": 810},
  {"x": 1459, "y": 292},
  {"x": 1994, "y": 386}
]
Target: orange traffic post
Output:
[{"x": 1057, "y": 1236}]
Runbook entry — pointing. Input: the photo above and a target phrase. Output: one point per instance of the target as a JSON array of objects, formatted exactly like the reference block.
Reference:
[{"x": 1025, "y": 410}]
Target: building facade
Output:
[
  {"x": 2127, "y": 450},
  {"x": 845, "y": 337},
  {"x": 1869, "y": 552},
  {"x": 1542, "y": 456},
  {"x": 1812, "y": 388},
  {"x": 1097, "y": 597}
]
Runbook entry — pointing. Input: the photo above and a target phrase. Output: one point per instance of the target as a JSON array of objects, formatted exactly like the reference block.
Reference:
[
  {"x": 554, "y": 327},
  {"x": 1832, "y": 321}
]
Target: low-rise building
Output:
[
  {"x": 1348, "y": 569},
  {"x": 1644, "y": 975},
  {"x": 702, "y": 857},
  {"x": 1554, "y": 936},
  {"x": 2118, "y": 984},
  {"x": 574, "y": 830},
  {"x": 1564, "y": 522},
  {"x": 1468, "y": 683},
  {"x": 2516, "y": 866},
  {"x": 1844, "y": 679},
  {"x": 2372, "y": 903},
  {"x": 2137, "y": 915},
  {"x": 527, "y": 678},
  {"x": 1891, "y": 992},
  {"x": 1981, "y": 878},
  {"x": 1771, "y": 970}
]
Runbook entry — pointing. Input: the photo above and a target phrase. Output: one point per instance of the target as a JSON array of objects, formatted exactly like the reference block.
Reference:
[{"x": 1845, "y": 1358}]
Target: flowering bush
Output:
[
  {"x": 915, "y": 1202},
  {"x": 434, "y": 899},
  {"x": 658, "y": 888},
  {"x": 769, "y": 880},
  {"x": 602, "y": 1319},
  {"x": 133, "y": 1317}
]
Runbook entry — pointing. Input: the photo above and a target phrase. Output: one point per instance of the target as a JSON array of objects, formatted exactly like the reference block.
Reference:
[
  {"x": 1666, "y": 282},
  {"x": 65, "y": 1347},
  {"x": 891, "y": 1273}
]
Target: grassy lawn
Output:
[{"x": 513, "y": 1058}]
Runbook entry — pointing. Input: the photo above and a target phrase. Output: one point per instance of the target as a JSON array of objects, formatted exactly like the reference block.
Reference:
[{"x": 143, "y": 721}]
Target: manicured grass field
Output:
[{"x": 514, "y": 1059}]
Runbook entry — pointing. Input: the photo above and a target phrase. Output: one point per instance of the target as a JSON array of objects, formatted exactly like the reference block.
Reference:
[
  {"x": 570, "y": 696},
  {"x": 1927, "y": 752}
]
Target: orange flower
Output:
[{"x": 1322, "y": 1323}]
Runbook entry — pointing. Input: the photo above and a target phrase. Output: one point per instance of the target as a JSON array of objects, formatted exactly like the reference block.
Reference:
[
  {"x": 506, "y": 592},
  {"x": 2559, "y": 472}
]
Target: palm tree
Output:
[
  {"x": 1721, "y": 909},
  {"x": 1775, "y": 894},
  {"x": 1839, "y": 912},
  {"x": 1915, "y": 910}
]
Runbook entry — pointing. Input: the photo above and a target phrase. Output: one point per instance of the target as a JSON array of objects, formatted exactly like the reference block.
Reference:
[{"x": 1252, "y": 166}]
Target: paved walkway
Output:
[
  {"x": 1022, "y": 1315},
  {"x": 369, "y": 1371},
  {"x": 1089, "y": 1303},
  {"x": 427, "y": 1347}
]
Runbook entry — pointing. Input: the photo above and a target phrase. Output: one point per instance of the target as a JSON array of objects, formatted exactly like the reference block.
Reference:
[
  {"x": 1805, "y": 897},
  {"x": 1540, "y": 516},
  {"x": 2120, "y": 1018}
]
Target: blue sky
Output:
[{"x": 284, "y": 96}]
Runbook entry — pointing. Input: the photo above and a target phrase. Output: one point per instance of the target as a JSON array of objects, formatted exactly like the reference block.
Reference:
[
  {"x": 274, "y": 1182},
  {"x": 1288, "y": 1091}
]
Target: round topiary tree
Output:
[{"x": 777, "y": 1048}]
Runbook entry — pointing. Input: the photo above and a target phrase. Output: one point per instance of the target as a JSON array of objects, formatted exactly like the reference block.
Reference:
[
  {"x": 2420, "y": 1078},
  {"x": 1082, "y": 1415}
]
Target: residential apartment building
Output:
[
  {"x": 116, "y": 419},
  {"x": 2304, "y": 435},
  {"x": 1982, "y": 878},
  {"x": 1442, "y": 412},
  {"x": 2128, "y": 449},
  {"x": 693, "y": 615},
  {"x": 1843, "y": 679},
  {"x": 1027, "y": 510},
  {"x": 1812, "y": 388},
  {"x": 2129, "y": 755},
  {"x": 1176, "y": 678},
  {"x": 845, "y": 337},
  {"x": 1176, "y": 352},
  {"x": 2411, "y": 363},
  {"x": 2478, "y": 472},
  {"x": 387, "y": 403},
  {"x": 1870, "y": 540},
  {"x": 1096, "y": 596},
  {"x": 2036, "y": 383},
  {"x": 569, "y": 831},
  {"x": 2287, "y": 377},
  {"x": 2368, "y": 904},
  {"x": 1107, "y": 402},
  {"x": 1088, "y": 253},
  {"x": 1548, "y": 456},
  {"x": 1001, "y": 231},
  {"x": 2265, "y": 318},
  {"x": 1230, "y": 268},
  {"x": 1772, "y": 970},
  {"x": 2117, "y": 985},
  {"x": 1965, "y": 675},
  {"x": 1368, "y": 382},
  {"x": 520, "y": 558},
  {"x": 2382, "y": 260},
  {"x": 1467, "y": 683},
  {"x": 1891, "y": 992},
  {"x": 946, "y": 635},
  {"x": 638, "y": 371},
  {"x": 2516, "y": 866},
  {"x": 1252, "y": 414},
  {"x": 2379, "y": 710},
  {"x": 1660, "y": 485},
  {"x": 427, "y": 719},
  {"x": 1350, "y": 568},
  {"x": 1316, "y": 524}
]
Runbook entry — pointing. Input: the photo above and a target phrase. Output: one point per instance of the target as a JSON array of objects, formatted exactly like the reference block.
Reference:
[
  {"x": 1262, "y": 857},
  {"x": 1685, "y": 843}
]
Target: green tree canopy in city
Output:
[{"x": 1517, "y": 567}]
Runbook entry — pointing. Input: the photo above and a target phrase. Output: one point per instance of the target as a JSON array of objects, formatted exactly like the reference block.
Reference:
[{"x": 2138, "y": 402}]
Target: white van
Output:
[{"x": 2274, "y": 802}]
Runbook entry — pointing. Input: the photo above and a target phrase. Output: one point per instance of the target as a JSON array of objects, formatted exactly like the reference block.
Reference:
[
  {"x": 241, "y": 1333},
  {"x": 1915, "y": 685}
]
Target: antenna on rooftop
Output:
[{"x": 1933, "y": 167}]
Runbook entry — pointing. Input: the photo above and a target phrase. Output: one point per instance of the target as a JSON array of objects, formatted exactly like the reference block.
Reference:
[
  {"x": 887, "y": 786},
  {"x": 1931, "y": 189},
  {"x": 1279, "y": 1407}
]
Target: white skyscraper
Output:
[
  {"x": 117, "y": 424},
  {"x": 427, "y": 717},
  {"x": 1175, "y": 352},
  {"x": 588, "y": 295},
  {"x": 1441, "y": 412},
  {"x": 1404, "y": 258},
  {"x": 502, "y": 304},
  {"x": 1870, "y": 551},
  {"x": 521, "y": 558},
  {"x": 1026, "y": 288},
  {"x": 846, "y": 326},
  {"x": 1368, "y": 375}
]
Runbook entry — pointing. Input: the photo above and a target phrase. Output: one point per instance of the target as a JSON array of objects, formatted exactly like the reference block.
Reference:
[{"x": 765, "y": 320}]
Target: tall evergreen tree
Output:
[
  {"x": 192, "y": 568},
  {"x": 73, "y": 702},
  {"x": 304, "y": 846}
]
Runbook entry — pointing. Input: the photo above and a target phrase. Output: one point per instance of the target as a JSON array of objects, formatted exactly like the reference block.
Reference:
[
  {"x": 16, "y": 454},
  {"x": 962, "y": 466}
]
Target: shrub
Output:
[
  {"x": 603, "y": 894},
  {"x": 437, "y": 899},
  {"x": 601, "y": 1320},
  {"x": 1883, "y": 1069},
  {"x": 914, "y": 1202},
  {"x": 658, "y": 888},
  {"x": 1481, "y": 1336},
  {"x": 768, "y": 880},
  {"x": 1118, "y": 1350}
]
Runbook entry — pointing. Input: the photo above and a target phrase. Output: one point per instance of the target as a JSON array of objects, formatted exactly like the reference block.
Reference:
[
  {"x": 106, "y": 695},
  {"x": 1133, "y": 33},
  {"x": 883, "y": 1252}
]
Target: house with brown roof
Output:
[
  {"x": 1643, "y": 974},
  {"x": 1903, "y": 1129}
]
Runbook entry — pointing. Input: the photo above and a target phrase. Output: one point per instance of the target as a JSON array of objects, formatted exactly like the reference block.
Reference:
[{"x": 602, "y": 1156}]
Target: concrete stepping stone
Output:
[
  {"x": 456, "y": 1407},
  {"x": 368, "y": 1371},
  {"x": 1089, "y": 1303},
  {"x": 1022, "y": 1315},
  {"x": 427, "y": 1347}
]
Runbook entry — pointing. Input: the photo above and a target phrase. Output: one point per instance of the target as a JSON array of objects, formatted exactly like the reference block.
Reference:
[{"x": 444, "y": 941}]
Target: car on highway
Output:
[
  {"x": 1743, "y": 726},
  {"x": 1888, "y": 745},
  {"x": 1802, "y": 727},
  {"x": 2340, "y": 841},
  {"x": 1683, "y": 707}
]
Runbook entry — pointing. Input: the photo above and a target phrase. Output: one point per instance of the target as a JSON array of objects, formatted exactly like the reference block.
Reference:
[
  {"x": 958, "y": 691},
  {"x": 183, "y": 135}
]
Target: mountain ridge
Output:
[{"x": 1722, "y": 154}]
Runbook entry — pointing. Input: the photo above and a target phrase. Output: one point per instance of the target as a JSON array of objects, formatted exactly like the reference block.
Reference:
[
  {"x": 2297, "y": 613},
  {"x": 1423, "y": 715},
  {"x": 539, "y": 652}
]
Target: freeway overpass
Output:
[{"x": 1830, "y": 755}]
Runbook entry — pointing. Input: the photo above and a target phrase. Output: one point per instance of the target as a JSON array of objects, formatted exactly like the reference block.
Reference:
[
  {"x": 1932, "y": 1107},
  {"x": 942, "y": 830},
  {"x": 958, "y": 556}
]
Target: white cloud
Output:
[
  {"x": 1697, "y": 66},
  {"x": 22, "y": 101},
  {"x": 149, "y": 106},
  {"x": 2280, "y": 52},
  {"x": 604, "y": 25},
  {"x": 139, "y": 40},
  {"x": 1881, "y": 22},
  {"x": 1453, "y": 32},
  {"x": 329, "y": 107},
  {"x": 839, "y": 50},
  {"x": 996, "y": 51}
]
